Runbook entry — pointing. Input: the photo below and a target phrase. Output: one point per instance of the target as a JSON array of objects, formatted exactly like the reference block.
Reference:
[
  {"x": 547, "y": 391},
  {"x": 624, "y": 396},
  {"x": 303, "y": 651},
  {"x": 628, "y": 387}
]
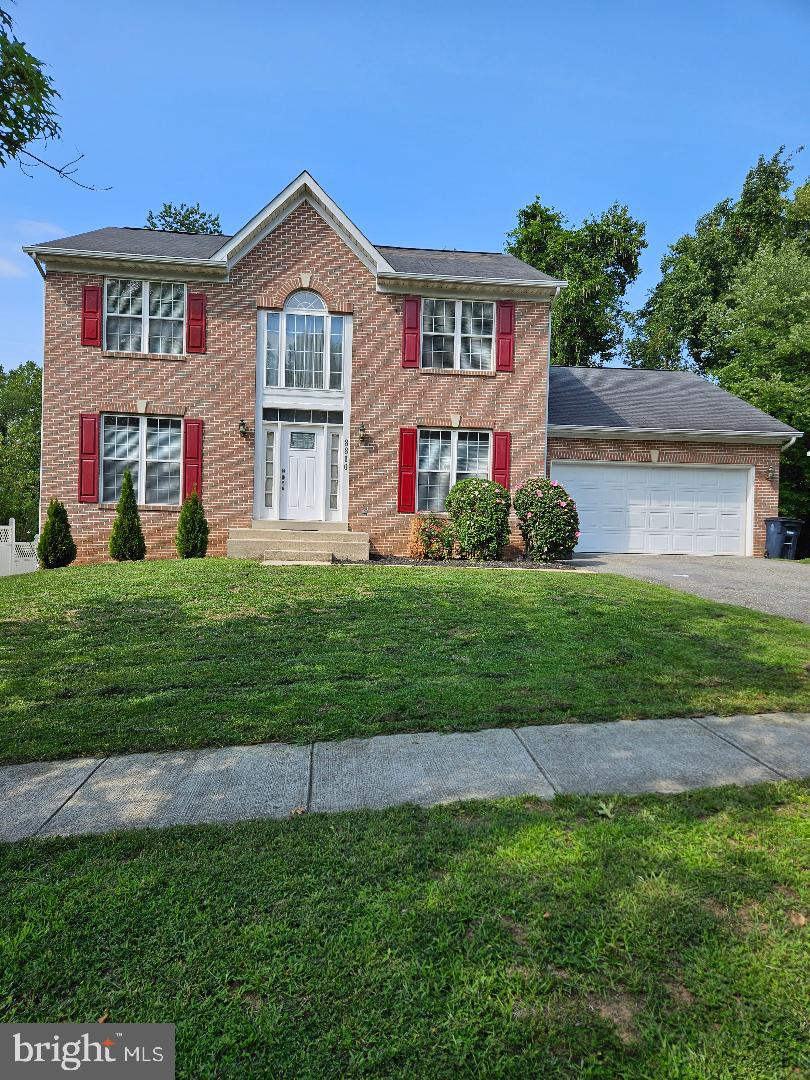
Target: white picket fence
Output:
[{"x": 16, "y": 556}]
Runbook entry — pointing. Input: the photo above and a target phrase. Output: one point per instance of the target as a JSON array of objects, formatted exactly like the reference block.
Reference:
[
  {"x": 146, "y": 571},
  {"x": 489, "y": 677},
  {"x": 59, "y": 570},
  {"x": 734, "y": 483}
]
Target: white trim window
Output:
[
  {"x": 458, "y": 334},
  {"x": 151, "y": 448},
  {"x": 303, "y": 345},
  {"x": 144, "y": 316},
  {"x": 445, "y": 456}
]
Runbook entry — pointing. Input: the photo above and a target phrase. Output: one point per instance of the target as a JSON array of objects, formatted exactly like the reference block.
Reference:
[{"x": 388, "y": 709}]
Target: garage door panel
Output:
[{"x": 658, "y": 509}]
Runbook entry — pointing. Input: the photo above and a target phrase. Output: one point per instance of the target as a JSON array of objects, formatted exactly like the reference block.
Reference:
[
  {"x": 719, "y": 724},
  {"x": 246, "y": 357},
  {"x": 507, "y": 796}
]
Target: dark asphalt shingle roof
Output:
[
  {"x": 154, "y": 242},
  {"x": 469, "y": 264},
  {"x": 650, "y": 399}
]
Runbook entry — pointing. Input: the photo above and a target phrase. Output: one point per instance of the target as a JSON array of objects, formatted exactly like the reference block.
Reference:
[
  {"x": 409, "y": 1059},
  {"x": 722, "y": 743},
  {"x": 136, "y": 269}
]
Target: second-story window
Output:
[
  {"x": 457, "y": 334},
  {"x": 144, "y": 316},
  {"x": 304, "y": 345}
]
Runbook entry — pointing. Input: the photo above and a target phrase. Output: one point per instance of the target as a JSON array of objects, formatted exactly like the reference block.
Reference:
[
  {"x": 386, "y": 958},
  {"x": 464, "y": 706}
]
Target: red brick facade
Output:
[
  {"x": 764, "y": 459},
  {"x": 219, "y": 387}
]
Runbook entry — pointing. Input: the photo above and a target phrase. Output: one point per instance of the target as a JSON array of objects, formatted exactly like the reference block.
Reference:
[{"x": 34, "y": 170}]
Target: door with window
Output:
[{"x": 302, "y": 474}]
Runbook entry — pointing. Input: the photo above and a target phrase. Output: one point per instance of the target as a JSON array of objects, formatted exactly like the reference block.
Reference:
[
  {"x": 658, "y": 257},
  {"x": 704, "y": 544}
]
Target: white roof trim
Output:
[
  {"x": 713, "y": 434},
  {"x": 304, "y": 187},
  {"x": 405, "y": 276},
  {"x": 44, "y": 252}
]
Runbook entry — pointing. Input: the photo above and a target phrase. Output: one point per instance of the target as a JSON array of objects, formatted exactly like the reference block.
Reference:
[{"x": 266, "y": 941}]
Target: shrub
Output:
[
  {"x": 548, "y": 519},
  {"x": 126, "y": 538},
  {"x": 431, "y": 537},
  {"x": 56, "y": 546},
  {"x": 479, "y": 510},
  {"x": 192, "y": 529}
]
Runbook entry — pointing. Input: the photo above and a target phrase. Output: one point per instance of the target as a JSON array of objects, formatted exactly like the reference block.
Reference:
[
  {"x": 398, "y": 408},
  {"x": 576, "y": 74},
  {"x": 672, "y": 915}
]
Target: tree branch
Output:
[{"x": 65, "y": 172}]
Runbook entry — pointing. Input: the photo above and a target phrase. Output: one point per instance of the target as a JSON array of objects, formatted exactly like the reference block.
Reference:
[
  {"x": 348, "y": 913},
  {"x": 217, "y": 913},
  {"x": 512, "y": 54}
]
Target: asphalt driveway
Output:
[{"x": 775, "y": 586}]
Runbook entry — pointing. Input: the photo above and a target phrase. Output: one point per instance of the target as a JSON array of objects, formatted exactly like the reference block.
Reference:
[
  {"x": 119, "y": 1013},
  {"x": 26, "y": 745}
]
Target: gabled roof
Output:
[
  {"x": 627, "y": 400},
  {"x": 396, "y": 265}
]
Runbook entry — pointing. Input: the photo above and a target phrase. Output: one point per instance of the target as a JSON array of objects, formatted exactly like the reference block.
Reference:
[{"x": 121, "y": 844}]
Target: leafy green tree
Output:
[
  {"x": 183, "y": 218},
  {"x": 599, "y": 259},
  {"x": 126, "y": 538},
  {"x": 192, "y": 528},
  {"x": 698, "y": 270},
  {"x": 27, "y": 96},
  {"x": 56, "y": 547},
  {"x": 759, "y": 338},
  {"x": 20, "y": 424}
]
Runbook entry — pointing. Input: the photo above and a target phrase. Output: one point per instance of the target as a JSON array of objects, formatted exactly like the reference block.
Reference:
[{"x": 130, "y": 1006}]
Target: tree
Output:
[
  {"x": 182, "y": 218},
  {"x": 126, "y": 538},
  {"x": 698, "y": 270},
  {"x": 56, "y": 547},
  {"x": 192, "y": 528},
  {"x": 599, "y": 259},
  {"x": 20, "y": 424},
  {"x": 758, "y": 336}
]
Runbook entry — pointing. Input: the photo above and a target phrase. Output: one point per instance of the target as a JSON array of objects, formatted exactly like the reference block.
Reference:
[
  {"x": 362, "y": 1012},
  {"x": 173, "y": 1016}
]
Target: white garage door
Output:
[{"x": 658, "y": 509}]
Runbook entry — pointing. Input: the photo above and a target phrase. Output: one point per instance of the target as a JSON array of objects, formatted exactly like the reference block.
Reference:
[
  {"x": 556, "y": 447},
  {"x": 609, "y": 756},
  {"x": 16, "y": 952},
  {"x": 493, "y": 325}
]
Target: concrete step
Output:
[
  {"x": 299, "y": 536},
  {"x": 322, "y": 549},
  {"x": 301, "y": 526}
]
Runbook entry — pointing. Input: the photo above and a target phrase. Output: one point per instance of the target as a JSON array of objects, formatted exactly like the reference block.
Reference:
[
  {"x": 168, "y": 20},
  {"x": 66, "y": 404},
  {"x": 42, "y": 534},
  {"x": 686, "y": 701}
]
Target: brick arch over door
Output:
[{"x": 277, "y": 295}]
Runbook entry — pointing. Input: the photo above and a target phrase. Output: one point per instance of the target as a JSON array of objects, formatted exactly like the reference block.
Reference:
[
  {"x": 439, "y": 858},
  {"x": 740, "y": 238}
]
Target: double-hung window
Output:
[
  {"x": 144, "y": 316},
  {"x": 445, "y": 456},
  {"x": 151, "y": 448},
  {"x": 304, "y": 345},
  {"x": 457, "y": 334}
]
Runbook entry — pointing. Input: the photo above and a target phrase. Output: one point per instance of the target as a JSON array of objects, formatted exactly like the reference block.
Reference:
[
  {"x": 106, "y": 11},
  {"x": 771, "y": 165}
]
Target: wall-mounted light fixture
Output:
[
  {"x": 244, "y": 430},
  {"x": 362, "y": 433},
  {"x": 772, "y": 473}
]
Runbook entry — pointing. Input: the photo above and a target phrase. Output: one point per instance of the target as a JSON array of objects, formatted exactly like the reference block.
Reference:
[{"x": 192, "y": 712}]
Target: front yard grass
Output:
[
  {"x": 508, "y": 939},
  {"x": 162, "y": 655}
]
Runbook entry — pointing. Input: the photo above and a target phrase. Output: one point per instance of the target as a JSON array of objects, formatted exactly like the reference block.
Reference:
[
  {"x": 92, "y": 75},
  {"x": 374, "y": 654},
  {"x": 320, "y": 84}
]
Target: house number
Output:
[{"x": 345, "y": 454}]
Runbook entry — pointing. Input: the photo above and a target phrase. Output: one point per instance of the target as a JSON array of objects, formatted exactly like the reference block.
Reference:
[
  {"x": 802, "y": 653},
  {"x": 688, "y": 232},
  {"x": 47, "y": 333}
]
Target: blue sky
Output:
[{"x": 429, "y": 123}]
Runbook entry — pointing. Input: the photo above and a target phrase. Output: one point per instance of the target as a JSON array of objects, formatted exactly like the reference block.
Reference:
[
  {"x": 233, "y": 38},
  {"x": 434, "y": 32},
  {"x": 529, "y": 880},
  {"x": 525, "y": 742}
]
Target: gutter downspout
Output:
[
  {"x": 546, "y": 463},
  {"x": 788, "y": 444},
  {"x": 37, "y": 263}
]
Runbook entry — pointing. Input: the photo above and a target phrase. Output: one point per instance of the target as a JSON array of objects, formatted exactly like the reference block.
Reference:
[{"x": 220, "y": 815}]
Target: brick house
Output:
[{"x": 319, "y": 390}]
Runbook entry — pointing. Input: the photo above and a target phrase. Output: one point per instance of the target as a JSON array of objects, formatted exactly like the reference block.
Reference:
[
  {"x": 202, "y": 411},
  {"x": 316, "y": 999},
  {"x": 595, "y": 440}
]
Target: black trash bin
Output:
[{"x": 782, "y": 537}]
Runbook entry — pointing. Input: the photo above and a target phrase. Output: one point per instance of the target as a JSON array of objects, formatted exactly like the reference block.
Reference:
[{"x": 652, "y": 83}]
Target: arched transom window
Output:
[{"x": 304, "y": 345}]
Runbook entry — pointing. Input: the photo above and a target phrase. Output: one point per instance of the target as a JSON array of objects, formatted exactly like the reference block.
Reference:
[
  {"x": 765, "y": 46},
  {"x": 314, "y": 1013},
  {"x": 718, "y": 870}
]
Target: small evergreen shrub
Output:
[
  {"x": 431, "y": 537},
  {"x": 192, "y": 529},
  {"x": 548, "y": 519},
  {"x": 479, "y": 510},
  {"x": 56, "y": 546},
  {"x": 126, "y": 538}
]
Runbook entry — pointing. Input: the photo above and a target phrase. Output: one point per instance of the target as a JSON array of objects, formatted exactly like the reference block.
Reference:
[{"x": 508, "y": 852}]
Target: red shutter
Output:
[
  {"x": 195, "y": 322},
  {"x": 406, "y": 492},
  {"x": 410, "y": 331},
  {"x": 505, "y": 347},
  {"x": 501, "y": 455},
  {"x": 192, "y": 456},
  {"x": 91, "y": 315},
  {"x": 88, "y": 457}
]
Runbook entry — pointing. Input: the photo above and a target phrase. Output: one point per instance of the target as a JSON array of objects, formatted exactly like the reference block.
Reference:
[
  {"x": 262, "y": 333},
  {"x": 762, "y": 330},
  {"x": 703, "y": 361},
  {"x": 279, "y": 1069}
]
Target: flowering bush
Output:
[
  {"x": 479, "y": 510},
  {"x": 431, "y": 537},
  {"x": 548, "y": 519}
]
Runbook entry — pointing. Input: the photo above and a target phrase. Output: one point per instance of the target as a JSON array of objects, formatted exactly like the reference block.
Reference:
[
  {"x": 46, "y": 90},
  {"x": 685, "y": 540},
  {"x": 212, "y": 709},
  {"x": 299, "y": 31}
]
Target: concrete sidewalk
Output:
[{"x": 95, "y": 795}]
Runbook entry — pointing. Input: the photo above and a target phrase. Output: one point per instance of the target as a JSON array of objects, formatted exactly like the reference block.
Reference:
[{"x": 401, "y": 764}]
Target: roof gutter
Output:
[
  {"x": 715, "y": 434},
  {"x": 45, "y": 252},
  {"x": 402, "y": 275}
]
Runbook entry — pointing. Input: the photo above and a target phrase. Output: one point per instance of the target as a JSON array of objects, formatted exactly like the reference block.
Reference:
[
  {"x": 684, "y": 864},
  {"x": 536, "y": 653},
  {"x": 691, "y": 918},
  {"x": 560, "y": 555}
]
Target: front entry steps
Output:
[{"x": 279, "y": 542}]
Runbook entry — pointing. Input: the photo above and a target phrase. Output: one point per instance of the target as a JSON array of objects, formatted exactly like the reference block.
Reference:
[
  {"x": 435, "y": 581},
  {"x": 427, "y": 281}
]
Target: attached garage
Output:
[{"x": 660, "y": 509}]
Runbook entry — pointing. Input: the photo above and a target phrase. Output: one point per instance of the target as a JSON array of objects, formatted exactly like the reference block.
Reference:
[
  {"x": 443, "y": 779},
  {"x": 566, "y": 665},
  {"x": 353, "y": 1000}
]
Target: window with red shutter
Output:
[
  {"x": 410, "y": 331},
  {"x": 195, "y": 322},
  {"x": 505, "y": 332},
  {"x": 88, "y": 457},
  {"x": 501, "y": 455},
  {"x": 192, "y": 456},
  {"x": 91, "y": 315},
  {"x": 406, "y": 489}
]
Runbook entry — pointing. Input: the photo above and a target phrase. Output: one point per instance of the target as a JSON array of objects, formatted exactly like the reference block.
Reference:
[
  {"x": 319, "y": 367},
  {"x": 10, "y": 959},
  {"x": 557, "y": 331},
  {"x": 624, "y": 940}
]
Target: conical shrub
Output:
[
  {"x": 56, "y": 546},
  {"x": 126, "y": 538},
  {"x": 192, "y": 529}
]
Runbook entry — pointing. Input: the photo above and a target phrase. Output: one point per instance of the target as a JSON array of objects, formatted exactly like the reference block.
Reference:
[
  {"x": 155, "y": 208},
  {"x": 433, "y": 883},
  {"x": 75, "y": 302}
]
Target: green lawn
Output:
[
  {"x": 509, "y": 939},
  {"x": 160, "y": 655}
]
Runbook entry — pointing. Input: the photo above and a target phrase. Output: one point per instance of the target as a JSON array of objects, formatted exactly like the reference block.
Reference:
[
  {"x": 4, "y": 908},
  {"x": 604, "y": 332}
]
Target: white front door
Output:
[
  {"x": 302, "y": 488},
  {"x": 658, "y": 509}
]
